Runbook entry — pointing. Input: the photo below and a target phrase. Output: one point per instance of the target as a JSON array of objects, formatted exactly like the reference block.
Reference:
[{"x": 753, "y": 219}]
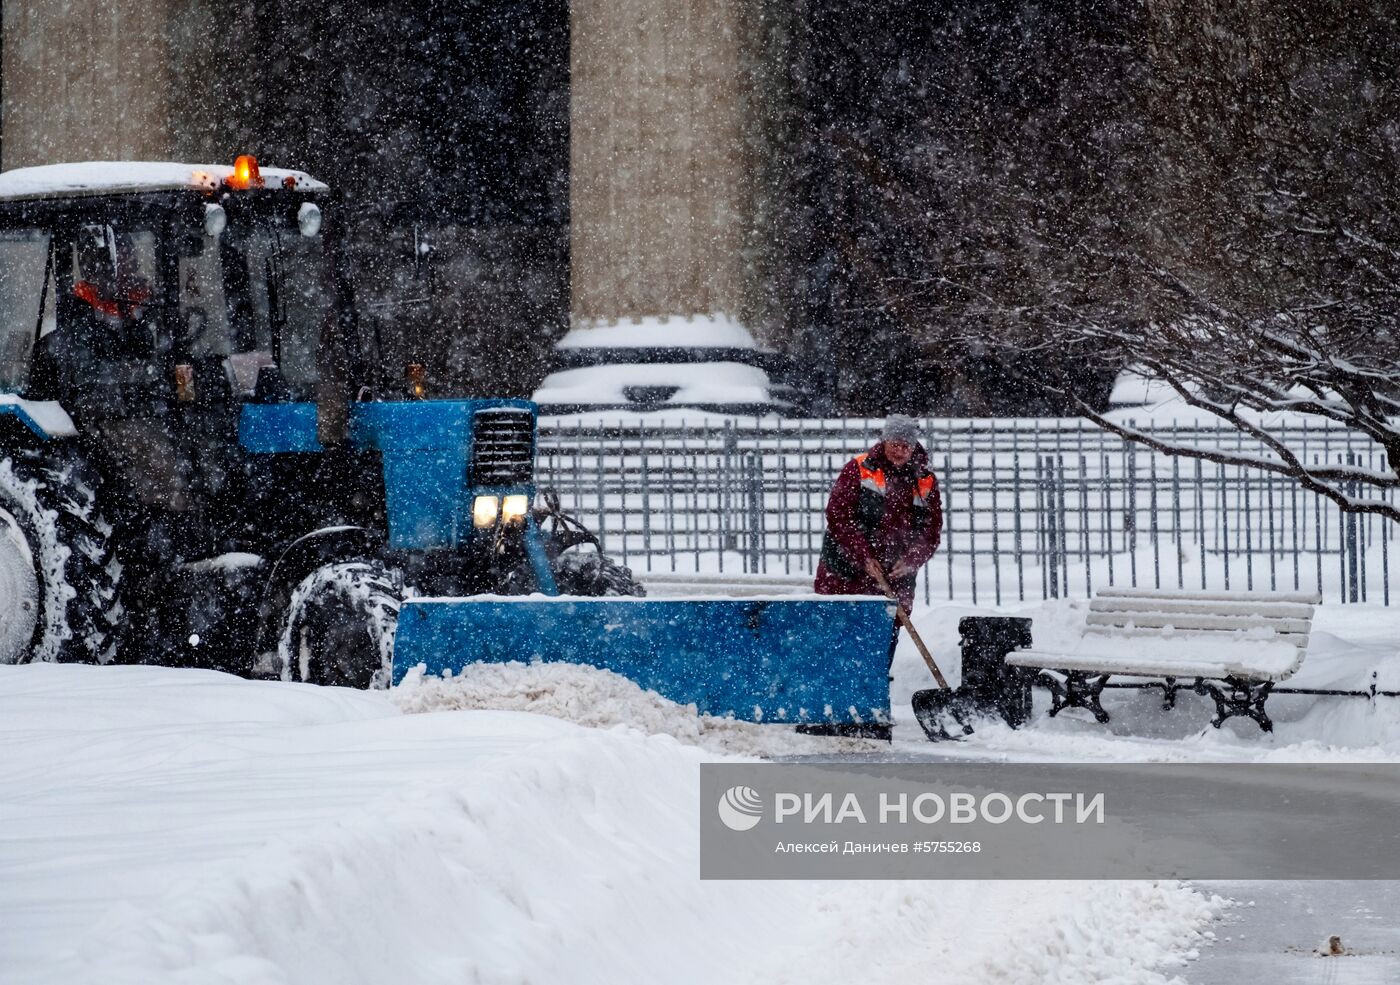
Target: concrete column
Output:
[
  {"x": 85, "y": 80},
  {"x": 656, "y": 159}
]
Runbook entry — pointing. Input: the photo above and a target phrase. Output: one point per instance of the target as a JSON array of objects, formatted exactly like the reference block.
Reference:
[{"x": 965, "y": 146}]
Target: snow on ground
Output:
[
  {"x": 165, "y": 825},
  {"x": 540, "y": 823}
]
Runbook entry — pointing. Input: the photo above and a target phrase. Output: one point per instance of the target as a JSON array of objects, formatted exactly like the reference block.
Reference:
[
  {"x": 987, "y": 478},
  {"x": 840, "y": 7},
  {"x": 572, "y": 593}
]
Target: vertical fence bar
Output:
[
  {"x": 753, "y": 560},
  {"x": 1131, "y": 515},
  {"x": 1293, "y": 515},
  {"x": 1176, "y": 517},
  {"x": 1387, "y": 524},
  {"x": 972, "y": 510},
  {"x": 1352, "y": 547},
  {"x": 1317, "y": 533},
  {"x": 1246, "y": 516},
  {"x": 696, "y": 460},
  {"x": 603, "y": 510},
  {"x": 1224, "y": 528},
  {"x": 1273, "y": 576},
  {"x": 1040, "y": 525},
  {"x": 721, "y": 483},
  {"x": 1061, "y": 515},
  {"x": 1084, "y": 519},
  {"x": 1016, "y": 521},
  {"x": 1201, "y": 518},
  {"x": 1153, "y": 522},
  {"x": 645, "y": 474},
  {"x": 1108, "y": 512},
  {"x": 948, "y": 517},
  {"x": 996, "y": 529},
  {"x": 1343, "y": 547}
]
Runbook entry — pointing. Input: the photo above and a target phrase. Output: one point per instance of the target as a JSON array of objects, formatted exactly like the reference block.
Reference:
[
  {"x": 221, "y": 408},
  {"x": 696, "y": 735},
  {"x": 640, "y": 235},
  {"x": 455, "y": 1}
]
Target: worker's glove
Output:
[
  {"x": 873, "y": 569},
  {"x": 902, "y": 570}
]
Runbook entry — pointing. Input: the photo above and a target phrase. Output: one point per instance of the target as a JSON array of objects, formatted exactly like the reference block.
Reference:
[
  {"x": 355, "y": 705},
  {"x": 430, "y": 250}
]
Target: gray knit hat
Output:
[{"x": 900, "y": 428}]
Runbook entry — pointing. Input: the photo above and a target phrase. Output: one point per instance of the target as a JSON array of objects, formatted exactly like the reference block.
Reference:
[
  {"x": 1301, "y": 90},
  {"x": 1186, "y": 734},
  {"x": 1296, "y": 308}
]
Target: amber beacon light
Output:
[{"x": 245, "y": 173}]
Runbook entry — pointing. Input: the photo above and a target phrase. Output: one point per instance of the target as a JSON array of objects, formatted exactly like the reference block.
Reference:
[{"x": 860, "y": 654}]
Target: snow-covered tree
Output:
[
  {"x": 1215, "y": 199},
  {"x": 1261, "y": 260}
]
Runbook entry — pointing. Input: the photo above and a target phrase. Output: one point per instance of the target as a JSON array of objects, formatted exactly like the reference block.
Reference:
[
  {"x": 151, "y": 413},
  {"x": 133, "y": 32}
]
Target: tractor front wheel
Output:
[{"x": 340, "y": 626}]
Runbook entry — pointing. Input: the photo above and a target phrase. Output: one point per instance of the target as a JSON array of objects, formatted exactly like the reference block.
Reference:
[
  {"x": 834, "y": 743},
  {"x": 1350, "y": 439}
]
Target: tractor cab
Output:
[
  {"x": 144, "y": 305},
  {"x": 129, "y": 289},
  {"x": 181, "y": 370}
]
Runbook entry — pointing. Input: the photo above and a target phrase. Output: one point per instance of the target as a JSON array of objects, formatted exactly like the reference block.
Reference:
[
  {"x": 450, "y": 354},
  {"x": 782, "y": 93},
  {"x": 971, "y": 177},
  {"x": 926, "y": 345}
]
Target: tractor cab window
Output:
[
  {"x": 26, "y": 301},
  {"x": 258, "y": 297},
  {"x": 102, "y": 354},
  {"x": 114, "y": 291}
]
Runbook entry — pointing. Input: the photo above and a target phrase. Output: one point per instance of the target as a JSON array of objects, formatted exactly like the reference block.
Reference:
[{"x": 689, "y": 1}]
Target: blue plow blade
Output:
[{"x": 770, "y": 660}]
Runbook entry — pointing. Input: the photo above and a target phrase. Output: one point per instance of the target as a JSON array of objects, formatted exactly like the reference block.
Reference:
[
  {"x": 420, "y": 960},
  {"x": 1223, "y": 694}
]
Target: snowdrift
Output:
[{"x": 183, "y": 826}]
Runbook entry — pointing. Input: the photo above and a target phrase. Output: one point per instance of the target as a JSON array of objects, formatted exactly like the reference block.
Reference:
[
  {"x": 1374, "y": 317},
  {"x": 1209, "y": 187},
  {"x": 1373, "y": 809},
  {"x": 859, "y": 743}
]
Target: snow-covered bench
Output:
[{"x": 1232, "y": 646}]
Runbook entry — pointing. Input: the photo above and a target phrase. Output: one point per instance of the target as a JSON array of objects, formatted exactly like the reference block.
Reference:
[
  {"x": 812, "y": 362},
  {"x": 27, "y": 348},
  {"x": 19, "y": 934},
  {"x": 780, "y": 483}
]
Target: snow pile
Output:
[
  {"x": 1085, "y": 944},
  {"x": 167, "y": 826},
  {"x": 601, "y": 699}
]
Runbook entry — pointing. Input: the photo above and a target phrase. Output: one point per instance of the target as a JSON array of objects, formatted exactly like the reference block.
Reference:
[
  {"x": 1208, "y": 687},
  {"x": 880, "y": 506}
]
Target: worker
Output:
[
  {"x": 114, "y": 295},
  {"x": 883, "y": 517}
]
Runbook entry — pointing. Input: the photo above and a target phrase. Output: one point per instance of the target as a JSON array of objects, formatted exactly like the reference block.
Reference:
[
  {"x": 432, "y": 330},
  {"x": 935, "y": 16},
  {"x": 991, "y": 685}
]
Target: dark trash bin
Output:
[{"x": 989, "y": 686}]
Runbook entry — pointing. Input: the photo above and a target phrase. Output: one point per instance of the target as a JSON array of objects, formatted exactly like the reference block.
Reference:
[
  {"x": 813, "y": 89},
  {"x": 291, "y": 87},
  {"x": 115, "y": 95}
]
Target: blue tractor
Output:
[
  {"x": 201, "y": 461},
  {"x": 204, "y": 462}
]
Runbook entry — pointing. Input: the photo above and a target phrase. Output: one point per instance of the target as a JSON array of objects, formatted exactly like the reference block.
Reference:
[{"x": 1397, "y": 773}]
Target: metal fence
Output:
[{"x": 1033, "y": 509}]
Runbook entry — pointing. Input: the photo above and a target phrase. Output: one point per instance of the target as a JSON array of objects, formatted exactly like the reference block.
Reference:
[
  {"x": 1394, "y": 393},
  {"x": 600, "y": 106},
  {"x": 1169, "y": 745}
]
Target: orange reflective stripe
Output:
[
  {"x": 872, "y": 479},
  {"x": 923, "y": 490}
]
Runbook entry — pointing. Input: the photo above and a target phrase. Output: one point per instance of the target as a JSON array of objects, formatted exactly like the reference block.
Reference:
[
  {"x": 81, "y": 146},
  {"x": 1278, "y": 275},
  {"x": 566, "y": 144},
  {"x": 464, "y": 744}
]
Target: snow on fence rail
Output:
[{"x": 1032, "y": 508}]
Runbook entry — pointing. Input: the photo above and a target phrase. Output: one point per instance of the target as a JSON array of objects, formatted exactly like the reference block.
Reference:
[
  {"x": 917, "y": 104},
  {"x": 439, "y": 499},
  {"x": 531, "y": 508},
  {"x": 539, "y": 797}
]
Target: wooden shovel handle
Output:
[{"x": 908, "y": 625}]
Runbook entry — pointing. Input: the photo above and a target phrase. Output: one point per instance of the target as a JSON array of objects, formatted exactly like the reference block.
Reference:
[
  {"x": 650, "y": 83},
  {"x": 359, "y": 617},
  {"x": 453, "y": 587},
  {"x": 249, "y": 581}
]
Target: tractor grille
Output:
[{"x": 503, "y": 447}]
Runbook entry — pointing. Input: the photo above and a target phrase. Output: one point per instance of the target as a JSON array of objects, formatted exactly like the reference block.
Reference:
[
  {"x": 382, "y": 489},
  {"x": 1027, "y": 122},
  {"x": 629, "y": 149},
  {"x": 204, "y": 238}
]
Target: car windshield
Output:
[{"x": 257, "y": 296}]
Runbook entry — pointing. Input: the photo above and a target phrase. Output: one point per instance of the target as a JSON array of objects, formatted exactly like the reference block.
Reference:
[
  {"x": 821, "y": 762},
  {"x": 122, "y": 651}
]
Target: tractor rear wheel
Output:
[
  {"x": 340, "y": 625},
  {"x": 58, "y": 574}
]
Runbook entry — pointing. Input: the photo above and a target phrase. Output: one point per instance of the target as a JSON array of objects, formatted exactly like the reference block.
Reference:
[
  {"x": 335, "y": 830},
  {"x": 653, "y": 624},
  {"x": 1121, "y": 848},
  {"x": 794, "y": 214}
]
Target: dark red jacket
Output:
[{"x": 880, "y": 511}]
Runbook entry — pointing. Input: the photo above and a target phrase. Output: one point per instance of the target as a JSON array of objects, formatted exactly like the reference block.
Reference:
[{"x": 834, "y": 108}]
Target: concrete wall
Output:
[
  {"x": 84, "y": 80},
  {"x": 656, "y": 160}
]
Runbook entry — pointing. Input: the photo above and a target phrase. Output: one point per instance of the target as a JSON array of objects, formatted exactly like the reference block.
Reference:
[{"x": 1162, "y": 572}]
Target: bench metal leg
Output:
[
  {"x": 1169, "y": 688},
  {"x": 1239, "y": 698},
  {"x": 1077, "y": 690}
]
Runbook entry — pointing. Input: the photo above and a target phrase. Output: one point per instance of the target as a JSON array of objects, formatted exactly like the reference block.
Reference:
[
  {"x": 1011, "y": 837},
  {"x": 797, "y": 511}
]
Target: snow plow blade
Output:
[{"x": 821, "y": 659}]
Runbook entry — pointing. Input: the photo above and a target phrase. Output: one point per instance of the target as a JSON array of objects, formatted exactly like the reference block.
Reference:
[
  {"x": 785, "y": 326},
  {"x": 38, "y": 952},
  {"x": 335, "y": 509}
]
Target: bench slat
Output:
[
  {"x": 1202, "y": 622},
  {"x": 1264, "y": 610},
  {"x": 1209, "y": 636},
  {"x": 1186, "y": 668},
  {"x": 1308, "y": 598}
]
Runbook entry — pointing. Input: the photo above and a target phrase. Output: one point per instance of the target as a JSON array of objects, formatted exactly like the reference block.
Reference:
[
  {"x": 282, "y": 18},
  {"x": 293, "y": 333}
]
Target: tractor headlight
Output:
[
  {"x": 215, "y": 219},
  {"x": 514, "y": 508},
  {"x": 309, "y": 218},
  {"x": 484, "y": 511}
]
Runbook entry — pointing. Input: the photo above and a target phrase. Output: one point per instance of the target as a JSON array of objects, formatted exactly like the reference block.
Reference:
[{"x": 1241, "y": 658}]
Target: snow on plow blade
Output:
[{"x": 818, "y": 658}]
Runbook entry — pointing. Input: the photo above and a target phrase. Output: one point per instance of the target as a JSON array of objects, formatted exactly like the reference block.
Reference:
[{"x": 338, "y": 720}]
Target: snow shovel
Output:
[{"x": 937, "y": 709}]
